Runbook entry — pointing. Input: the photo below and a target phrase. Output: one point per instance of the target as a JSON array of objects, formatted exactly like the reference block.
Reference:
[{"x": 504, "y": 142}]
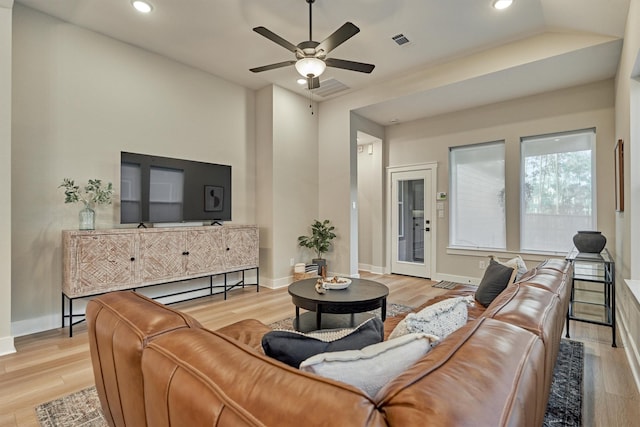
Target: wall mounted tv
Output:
[{"x": 156, "y": 189}]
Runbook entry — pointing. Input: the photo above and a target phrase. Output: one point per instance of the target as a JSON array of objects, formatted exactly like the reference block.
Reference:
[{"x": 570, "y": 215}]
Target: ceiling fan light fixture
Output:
[
  {"x": 502, "y": 4},
  {"x": 310, "y": 67},
  {"x": 142, "y": 6}
]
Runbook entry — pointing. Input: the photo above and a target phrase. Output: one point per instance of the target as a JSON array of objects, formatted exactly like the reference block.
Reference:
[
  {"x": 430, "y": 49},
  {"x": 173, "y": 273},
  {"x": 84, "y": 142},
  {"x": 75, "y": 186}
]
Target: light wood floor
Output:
[{"x": 50, "y": 365}]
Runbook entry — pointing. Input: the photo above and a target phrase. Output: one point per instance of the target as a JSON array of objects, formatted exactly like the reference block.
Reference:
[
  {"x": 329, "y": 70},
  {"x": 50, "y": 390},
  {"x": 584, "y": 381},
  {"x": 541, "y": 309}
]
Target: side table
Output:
[{"x": 598, "y": 268}]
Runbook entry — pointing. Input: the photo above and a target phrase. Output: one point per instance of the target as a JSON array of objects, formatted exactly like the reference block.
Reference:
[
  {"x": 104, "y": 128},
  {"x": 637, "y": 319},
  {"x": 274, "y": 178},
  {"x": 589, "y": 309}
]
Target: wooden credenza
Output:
[{"x": 99, "y": 261}]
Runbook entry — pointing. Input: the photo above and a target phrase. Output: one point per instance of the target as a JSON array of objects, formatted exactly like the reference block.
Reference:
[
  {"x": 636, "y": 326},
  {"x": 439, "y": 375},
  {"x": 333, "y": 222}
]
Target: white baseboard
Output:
[
  {"x": 6, "y": 345},
  {"x": 374, "y": 269},
  {"x": 283, "y": 282},
  {"x": 630, "y": 349},
  {"x": 276, "y": 283},
  {"x": 35, "y": 325},
  {"x": 457, "y": 279}
]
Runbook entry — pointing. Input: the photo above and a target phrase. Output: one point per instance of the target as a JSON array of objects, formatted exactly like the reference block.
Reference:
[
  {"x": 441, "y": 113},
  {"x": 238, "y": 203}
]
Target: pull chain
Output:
[{"x": 310, "y": 102}]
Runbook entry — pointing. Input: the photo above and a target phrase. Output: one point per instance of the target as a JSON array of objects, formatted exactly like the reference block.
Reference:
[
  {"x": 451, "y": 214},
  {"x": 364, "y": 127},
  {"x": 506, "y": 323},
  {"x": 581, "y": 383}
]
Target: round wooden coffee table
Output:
[{"x": 330, "y": 308}]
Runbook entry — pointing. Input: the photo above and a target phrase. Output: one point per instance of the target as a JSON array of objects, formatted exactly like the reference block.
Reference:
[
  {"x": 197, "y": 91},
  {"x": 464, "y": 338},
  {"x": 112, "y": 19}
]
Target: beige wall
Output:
[
  {"x": 429, "y": 140},
  {"x": 6, "y": 337},
  {"x": 337, "y": 134},
  {"x": 264, "y": 180},
  {"x": 370, "y": 189},
  {"x": 287, "y": 181},
  {"x": 627, "y": 128},
  {"x": 628, "y": 249},
  {"x": 80, "y": 98}
]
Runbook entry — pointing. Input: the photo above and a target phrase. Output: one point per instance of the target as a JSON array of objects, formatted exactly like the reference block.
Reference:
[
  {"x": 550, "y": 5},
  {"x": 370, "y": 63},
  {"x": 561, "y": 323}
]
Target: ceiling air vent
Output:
[
  {"x": 329, "y": 87},
  {"x": 400, "y": 39}
]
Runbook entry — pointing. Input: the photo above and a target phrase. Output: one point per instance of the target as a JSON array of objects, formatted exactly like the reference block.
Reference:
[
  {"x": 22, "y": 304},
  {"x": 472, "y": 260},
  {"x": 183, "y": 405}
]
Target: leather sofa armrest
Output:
[{"x": 120, "y": 325}]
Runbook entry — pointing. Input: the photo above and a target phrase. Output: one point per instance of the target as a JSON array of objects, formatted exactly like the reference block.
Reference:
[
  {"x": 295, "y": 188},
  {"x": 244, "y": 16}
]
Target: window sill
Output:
[
  {"x": 485, "y": 252},
  {"x": 634, "y": 287}
]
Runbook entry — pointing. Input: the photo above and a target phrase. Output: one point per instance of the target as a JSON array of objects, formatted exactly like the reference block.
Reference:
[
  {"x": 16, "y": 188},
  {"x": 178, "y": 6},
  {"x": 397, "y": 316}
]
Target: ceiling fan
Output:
[{"x": 311, "y": 56}]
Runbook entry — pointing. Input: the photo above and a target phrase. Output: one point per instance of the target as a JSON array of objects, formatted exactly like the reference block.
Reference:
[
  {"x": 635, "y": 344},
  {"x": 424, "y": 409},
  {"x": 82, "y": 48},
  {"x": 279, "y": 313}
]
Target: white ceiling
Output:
[{"x": 216, "y": 36}]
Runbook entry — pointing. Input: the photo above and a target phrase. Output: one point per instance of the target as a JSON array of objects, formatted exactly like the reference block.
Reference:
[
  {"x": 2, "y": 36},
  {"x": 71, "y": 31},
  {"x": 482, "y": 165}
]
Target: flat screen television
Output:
[{"x": 156, "y": 189}]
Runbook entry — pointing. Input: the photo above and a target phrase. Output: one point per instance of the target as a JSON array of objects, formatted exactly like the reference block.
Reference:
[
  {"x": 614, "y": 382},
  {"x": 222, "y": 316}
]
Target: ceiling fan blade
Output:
[
  {"x": 338, "y": 37},
  {"x": 272, "y": 66},
  {"x": 313, "y": 82},
  {"x": 349, "y": 65},
  {"x": 276, "y": 38}
]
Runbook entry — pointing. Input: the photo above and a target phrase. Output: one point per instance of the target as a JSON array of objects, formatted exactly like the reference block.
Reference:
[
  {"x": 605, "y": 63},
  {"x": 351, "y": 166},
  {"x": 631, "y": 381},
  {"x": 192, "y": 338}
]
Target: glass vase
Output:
[{"x": 87, "y": 218}]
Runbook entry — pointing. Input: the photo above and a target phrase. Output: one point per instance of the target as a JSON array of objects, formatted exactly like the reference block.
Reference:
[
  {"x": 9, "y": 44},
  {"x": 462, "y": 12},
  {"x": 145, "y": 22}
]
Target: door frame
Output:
[{"x": 433, "y": 167}]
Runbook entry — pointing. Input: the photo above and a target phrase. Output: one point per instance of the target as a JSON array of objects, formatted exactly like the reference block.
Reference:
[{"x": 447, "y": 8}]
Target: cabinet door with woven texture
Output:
[
  {"x": 205, "y": 251},
  {"x": 101, "y": 263},
  {"x": 242, "y": 246},
  {"x": 162, "y": 256}
]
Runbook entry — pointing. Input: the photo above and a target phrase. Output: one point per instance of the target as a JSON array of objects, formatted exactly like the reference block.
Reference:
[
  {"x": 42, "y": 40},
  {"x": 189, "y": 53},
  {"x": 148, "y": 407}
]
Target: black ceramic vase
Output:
[
  {"x": 592, "y": 242},
  {"x": 320, "y": 262}
]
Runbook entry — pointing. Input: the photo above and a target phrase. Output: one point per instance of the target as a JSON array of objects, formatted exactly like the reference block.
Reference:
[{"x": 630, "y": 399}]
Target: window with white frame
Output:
[
  {"x": 476, "y": 196},
  {"x": 557, "y": 189}
]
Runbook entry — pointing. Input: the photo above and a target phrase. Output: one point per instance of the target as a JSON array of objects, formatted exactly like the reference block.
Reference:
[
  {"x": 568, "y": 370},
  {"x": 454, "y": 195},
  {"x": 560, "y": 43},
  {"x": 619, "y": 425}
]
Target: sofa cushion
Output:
[
  {"x": 439, "y": 319},
  {"x": 374, "y": 366},
  {"x": 292, "y": 347},
  {"x": 496, "y": 278}
]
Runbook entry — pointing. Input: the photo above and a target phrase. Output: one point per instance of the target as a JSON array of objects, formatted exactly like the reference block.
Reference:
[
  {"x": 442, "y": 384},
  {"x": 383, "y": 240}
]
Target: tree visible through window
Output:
[{"x": 557, "y": 189}]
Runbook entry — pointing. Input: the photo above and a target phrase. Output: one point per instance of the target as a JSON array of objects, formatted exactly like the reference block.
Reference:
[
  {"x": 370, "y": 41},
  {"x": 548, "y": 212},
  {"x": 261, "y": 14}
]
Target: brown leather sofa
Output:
[{"x": 156, "y": 367}]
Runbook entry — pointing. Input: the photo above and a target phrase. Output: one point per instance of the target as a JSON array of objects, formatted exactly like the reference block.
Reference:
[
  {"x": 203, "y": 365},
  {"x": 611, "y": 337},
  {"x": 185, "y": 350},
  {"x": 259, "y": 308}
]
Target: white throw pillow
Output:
[
  {"x": 374, "y": 366},
  {"x": 439, "y": 319},
  {"x": 516, "y": 263}
]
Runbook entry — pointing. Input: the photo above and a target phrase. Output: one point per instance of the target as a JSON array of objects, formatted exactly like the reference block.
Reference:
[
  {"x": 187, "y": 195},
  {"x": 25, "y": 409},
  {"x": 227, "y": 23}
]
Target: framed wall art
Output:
[{"x": 619, "y": 175}]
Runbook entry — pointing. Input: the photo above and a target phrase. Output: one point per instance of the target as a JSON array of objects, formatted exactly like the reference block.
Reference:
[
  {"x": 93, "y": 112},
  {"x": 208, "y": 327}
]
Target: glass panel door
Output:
[{"x": 411, "y": 223}]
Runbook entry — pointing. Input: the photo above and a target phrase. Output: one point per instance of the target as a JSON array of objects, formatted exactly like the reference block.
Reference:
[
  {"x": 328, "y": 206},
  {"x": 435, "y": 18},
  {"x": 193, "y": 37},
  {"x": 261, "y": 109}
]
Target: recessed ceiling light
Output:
[
  {"x": 142, "y": 6},
  {"x": 502, "y": 4},
  {"x": 301, "y": 81}
]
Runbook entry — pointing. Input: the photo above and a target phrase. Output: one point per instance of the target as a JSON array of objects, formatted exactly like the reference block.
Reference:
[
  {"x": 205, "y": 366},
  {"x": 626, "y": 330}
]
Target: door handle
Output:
[{"x": 427, "y": 229}]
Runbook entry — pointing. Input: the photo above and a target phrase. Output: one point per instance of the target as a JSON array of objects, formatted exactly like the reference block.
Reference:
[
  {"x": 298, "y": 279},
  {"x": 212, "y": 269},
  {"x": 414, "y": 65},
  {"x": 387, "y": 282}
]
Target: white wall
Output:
[
  {"x": 6, "y": 337},
  {"x": 80, "y": 98}
]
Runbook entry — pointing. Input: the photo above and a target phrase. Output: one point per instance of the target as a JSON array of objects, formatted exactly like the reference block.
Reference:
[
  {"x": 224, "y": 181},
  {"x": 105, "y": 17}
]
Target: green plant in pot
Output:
[
  {"x": 320, "y": 240},
  {"x": 90, "y": 195}
]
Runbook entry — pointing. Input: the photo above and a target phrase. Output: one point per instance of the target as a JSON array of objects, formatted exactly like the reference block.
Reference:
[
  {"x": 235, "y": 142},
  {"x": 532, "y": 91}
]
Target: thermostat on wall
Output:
[{"x": 441, "y": 195}]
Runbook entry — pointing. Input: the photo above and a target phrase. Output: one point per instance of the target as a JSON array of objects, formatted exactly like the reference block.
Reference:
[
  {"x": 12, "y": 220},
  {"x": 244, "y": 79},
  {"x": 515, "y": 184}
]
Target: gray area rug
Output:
[
  {"x": 79, "y": 409},
  {"x": 565, "y": 399},
  {"x": 82, "y": 409}
]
